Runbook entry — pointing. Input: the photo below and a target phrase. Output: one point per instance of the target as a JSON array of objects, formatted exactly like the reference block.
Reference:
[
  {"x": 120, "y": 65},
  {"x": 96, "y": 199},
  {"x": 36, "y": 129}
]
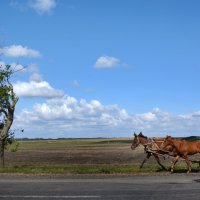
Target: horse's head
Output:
[
  {"x": 135, "y": 142},
  {"x": 167, "y": 141}
]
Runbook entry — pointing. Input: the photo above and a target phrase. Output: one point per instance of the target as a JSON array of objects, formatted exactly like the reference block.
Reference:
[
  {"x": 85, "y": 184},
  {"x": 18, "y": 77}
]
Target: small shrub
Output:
[{"x": 13, "y": 147}]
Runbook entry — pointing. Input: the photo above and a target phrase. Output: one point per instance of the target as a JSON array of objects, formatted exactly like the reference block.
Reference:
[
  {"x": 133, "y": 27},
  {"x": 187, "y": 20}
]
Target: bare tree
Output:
[{"x": 8, "y": 100}]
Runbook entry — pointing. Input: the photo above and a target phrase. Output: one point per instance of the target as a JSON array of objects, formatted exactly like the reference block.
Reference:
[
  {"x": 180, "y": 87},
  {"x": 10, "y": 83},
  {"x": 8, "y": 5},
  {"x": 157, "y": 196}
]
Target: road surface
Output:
[{"x": 173, "y": 187}]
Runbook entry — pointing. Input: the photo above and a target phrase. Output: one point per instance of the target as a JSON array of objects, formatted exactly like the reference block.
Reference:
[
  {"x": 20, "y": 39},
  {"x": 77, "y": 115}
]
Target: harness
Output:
[
  {"x": 152, "y": 144},
  {"x": 152, "y": 147}
]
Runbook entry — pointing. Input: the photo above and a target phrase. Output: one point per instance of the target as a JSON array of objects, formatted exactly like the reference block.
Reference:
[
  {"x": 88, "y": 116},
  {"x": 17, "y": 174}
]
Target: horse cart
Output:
[{"x": 168, "y": 147}]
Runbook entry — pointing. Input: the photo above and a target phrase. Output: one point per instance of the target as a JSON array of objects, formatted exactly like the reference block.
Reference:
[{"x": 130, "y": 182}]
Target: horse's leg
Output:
[
  {"x": 174, "y": 161},
  {"x": 188, "y": 164},
  {"x": 147, "y": 157},
  {"x": 158, "y": 161}
]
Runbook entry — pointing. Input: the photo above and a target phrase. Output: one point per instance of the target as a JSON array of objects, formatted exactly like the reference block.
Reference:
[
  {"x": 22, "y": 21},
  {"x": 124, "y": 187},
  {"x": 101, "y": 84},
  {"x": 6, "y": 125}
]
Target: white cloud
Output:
[
  {"x": 65, "y": 116},
  {"x": 43, "y": 6},
  {"x": 36, "y": 89},
  {"x": 107, "y": 62},
  {"x": 32, "y": 69},
  {"x": 35, "y": 76},
  {"x": 72, "y": 118},
  {"x": 18, "y": 51},
  {"x": 148, "y": 116}
]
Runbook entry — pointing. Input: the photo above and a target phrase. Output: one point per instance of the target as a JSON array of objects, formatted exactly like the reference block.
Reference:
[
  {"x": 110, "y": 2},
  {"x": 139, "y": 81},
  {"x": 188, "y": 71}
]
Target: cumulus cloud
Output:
[
  {"x": 18, "y": 51},
  {"x": 107, "y": 62},
  {"x": 69, "y": 117},
  {"x": 43, "y": 6},
  {"x": 36, "y": 89},
  {"x": 150, "y": 117}
]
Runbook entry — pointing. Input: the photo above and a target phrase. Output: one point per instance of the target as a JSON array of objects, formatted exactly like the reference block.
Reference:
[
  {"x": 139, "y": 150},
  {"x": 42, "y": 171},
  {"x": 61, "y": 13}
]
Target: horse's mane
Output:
[{"x": 141, "y": 135}]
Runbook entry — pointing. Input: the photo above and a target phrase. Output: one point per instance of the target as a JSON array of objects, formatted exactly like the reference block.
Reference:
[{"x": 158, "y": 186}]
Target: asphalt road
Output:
[{"x": 173, "y": 187}]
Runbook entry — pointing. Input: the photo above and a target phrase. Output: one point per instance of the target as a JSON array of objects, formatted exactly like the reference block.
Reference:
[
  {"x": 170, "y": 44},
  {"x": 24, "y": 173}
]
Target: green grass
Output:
[
  {"x": 77, "y": 169},
  {"x": 93, "y": 169}
]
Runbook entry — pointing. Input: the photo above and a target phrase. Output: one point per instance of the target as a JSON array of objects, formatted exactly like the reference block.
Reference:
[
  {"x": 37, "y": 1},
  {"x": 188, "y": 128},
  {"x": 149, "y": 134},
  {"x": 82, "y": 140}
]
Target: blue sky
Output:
[{"x": 103, "y": 68}]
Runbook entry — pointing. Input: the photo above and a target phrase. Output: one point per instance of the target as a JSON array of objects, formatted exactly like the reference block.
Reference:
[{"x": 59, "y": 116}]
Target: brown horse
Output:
[
  {"x": 154, "y": 144},
  {"x": 182, "y": 148}
]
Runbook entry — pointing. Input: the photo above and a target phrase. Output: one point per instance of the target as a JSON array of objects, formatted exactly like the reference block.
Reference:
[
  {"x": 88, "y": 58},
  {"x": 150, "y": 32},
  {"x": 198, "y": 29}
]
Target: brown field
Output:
[
  {"x": 82, "y": 151},
  {"x": 62, "y": 152}
]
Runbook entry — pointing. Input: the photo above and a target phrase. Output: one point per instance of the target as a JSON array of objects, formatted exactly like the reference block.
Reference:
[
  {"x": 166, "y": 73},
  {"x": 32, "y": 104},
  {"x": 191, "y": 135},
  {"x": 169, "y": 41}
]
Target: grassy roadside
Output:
[
  {"x": 78, "y": 169},
  {"x": 93, "y": 169}
]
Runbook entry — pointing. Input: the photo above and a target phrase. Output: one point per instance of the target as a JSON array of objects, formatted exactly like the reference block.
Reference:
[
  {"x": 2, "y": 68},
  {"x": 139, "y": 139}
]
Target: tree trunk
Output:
[{"x": 2, "y": 153}]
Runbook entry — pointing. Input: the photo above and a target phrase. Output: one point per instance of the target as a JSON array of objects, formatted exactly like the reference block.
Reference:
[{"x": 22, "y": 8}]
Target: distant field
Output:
[
  {"x": 80, "y": 156},
  {"x": 64, "y": 143}
]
